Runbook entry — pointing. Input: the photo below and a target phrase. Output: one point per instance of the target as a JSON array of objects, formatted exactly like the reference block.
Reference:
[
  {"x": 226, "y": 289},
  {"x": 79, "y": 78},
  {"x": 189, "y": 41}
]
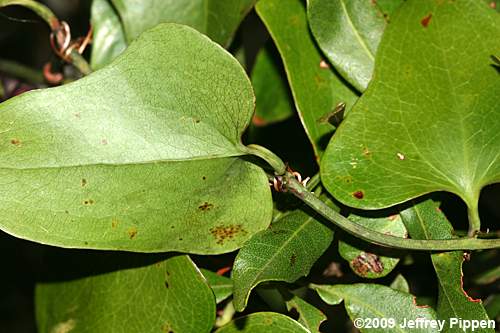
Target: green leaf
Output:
[
  {"x": 273, "y": 98},
  {"x": 377, "y": 301},
  {"x": 426, "y": 221},
  {"x": 365, "y": 260},
  {"x": 348, "y": 32},
  {"x": 108, "y": 40},
  {"x": 493, "y": 4},
  {"x": 316, "y": 90},
  {"x": 145, "y": 297},
  {"x": 400, "y": 283},
  {"x": 220, "y": 285},
  {"x": 429, "y": 121},
  {"x": 489, "y": 276},
  {"x": 284, "y": 252},
  {"x": 387, "y": 7},
  {"x": 142, "y": 155},
  {"x": 492, "y": 306},
  {"x": 263, "y": 322},
  {"x": 214, "y": 18},
  {"x": 309, "y": 316}
]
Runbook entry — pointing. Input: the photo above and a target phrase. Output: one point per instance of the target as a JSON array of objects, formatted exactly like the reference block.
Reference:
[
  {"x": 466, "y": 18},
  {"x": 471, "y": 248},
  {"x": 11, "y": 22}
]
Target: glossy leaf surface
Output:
[
  {"x": 263, "y": 322},
  {"x": 377, "y": 301},
  {"x": 430, "y": 120},
  {"x": 426, "y": 221},
  {"x": 221, "y": 286},
  {"x": 214, "y": 18},
  {"x": 316, "y": 88},
  {"x": 167, "y": 296},
  {"x": 309, "y": 316},
  {"x": 348, "y": 32},
  {"x": 284, "y": 252},
  {"x": 138, "y": 155},
  {"x": 108, "y": 40},
  {"x": 273, "y": 99}
]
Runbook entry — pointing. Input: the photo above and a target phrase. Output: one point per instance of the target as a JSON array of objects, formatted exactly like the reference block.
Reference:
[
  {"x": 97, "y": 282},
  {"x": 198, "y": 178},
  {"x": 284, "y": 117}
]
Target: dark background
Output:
[{"x": 24, "y": 38}]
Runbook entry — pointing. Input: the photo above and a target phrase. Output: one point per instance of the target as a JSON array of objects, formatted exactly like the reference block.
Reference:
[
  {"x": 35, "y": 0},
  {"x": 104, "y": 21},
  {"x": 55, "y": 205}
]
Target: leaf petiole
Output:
[{"x": 290, "y": 184}]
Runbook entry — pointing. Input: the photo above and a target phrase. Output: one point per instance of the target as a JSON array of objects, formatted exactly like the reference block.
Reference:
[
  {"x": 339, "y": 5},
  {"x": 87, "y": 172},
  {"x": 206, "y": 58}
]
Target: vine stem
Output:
[
  {"x": 20, "y": 71},
  {"x": 289, "y": 183},
  {"x": 48, "y": 16},
  {"x": 292, "y": 185},
  {"x": 41, "y": 10},
  {"x": 274, "y": 161}
]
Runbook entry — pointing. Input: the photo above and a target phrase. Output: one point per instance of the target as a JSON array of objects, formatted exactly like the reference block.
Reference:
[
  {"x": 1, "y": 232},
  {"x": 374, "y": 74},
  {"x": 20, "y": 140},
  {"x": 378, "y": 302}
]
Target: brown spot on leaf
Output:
[
  {"x": 320, "y": 82},
  {"x": 358, "y": 195},
  {"x": 493, "y": 5},
  {"x": 166, "y": 284},
  {"x": 77, "y": 115},
  {"x": 205, "y": 206},
  {"x": 15, "y": 142},
  {"x": 114, "y": 223},
  {"x": 366, "y": 152},
  {"x": 88, "y": 202},
  {"x": 293, "y": 259},
  {"x": 132, "y": 232},
  {"x": 426, "y": 20},
  {"x": 204, "y": 178},
  {"x": 83, "y": 182},
  {"x": 367, "y": 263},
  {"x": 222, "y": 233}
]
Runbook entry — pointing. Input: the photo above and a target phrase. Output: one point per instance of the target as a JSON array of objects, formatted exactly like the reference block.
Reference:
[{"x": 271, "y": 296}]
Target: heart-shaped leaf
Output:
[
  {"x": 141, "y": 296},
  {"x": 142, "y": 155},
  {"x": 315, "y": 87},
  {"x": 284, "y": 252},
  {"x": 348, "y": 32},
  {"x": 263, "y": 322},
  {"x": 108, "y": 40},
  {"x": 426, "y": 221},
  {"x": 430, "y": 119},
  {"x": 370, "y": 301},
  {"x": 216, "y": 19}
]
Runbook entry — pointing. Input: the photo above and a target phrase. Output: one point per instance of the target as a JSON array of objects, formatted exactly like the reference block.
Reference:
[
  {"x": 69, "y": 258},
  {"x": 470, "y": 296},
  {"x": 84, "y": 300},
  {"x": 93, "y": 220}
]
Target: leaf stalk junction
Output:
[{"x": 288, "y": 183}]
